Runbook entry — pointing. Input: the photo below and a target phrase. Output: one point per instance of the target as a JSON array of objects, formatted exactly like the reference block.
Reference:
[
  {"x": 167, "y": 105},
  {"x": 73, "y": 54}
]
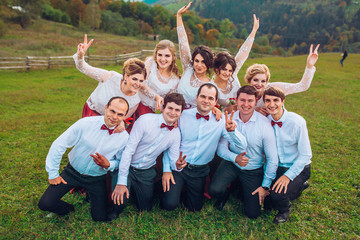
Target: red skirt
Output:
[
  {"x": 141, "y": 110},
  {"x": 88, "y": 112}
]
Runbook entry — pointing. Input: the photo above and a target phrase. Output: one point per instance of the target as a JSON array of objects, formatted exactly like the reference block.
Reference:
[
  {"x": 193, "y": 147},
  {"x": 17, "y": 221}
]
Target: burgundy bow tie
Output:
[
  {"x": 104, "y": 127},
  {"x": 278, "y": 123},
  {"x": 202, "y": 116},
  {"x": 163, "y": 125}
]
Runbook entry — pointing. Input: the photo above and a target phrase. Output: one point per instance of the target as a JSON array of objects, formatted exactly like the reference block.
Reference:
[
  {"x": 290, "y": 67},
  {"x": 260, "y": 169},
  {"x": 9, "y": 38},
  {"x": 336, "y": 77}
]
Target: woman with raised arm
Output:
[
  {"x": 196, "y": 66},
  {"x": 227, "y": 67},
  {"x": 258, "y": 75},
  {"x": 111, "y": 83},
  {"x": 163, "y": 77}
]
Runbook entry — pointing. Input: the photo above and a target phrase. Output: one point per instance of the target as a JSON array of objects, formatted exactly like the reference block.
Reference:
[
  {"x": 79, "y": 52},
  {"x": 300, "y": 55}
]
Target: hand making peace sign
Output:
[
  {"x": 313, "y": 56},
  {"x": 83, "y": 47},
  {"x": 230, "y": 124}
]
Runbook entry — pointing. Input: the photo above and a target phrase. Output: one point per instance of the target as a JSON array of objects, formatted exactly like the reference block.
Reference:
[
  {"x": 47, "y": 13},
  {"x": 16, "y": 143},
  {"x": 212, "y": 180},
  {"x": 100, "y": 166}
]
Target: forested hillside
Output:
[
  {"x": 289, "y": 24},
  {"x": 286, "y": 27}
]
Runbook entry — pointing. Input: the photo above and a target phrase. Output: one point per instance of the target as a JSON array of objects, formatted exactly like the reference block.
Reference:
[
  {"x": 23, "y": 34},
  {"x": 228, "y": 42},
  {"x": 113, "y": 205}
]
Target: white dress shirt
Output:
[
  {"x": 200, "y": 138},
  {"x": 87, "y": 138},
  {"x": 293, "y": 144},
  {"x": 147, "y": 141},
  {"x": 261, "y": 146}
]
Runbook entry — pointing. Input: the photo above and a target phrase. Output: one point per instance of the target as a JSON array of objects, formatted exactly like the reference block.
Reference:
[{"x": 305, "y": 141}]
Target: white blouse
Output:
[
  {"x": 189, "y": 83},
  {"x": 108, "y": 87},
  {"x": 157, "y": 83},
  {"x": 233, "y": 83},
  {"x": 290, "y": 88}
]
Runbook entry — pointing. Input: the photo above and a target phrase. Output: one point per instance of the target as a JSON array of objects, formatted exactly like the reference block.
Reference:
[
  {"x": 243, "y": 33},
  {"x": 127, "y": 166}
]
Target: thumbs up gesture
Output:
[{"x": 242, "y": 160}]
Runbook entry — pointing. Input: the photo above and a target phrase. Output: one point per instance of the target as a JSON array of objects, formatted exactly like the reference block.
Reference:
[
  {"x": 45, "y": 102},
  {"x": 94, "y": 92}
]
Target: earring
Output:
[{"x": 124, "y": 81}]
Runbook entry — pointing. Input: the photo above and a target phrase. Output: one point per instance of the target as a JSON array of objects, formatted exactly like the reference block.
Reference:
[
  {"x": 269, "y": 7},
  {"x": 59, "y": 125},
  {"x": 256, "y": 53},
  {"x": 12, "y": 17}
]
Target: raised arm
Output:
[
  {"x": 244, "y": 51},
  {"x": 184, "y": 47},
  {"x": 98, "y": 74},
  {"x": 304, "y": 84}
]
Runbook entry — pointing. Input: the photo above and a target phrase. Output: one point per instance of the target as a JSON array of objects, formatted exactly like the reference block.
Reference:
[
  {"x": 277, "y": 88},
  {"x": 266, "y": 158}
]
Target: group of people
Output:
[{"x": 259, "y": 142}]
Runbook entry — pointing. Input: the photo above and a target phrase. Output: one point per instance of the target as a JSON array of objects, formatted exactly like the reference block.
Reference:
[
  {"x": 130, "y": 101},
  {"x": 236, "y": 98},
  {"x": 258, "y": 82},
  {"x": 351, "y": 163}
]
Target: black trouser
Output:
[
  {"x": 95, "y": 188},
  {"x": 250, "y": 180},
  {"x": 141, "y": 181},
  {"x": 281, "y": 201},
  {"x": 193, "y": 177}
]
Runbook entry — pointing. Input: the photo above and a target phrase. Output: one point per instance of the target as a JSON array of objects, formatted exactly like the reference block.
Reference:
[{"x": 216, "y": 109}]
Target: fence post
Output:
[
  {"x": 115, "y": 57},
  {"x": 49, "y": 62},
  {"x": 27, "y": 62}
]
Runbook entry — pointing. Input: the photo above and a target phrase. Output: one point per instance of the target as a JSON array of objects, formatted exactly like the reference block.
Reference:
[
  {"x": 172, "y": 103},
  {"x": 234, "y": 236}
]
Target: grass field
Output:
[{"x": 37, "y": 106}]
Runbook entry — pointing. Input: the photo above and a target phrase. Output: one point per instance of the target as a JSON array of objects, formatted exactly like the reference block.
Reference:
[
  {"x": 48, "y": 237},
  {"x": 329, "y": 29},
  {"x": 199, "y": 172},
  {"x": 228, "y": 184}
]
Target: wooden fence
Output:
[{"x": 48, "y": 62}]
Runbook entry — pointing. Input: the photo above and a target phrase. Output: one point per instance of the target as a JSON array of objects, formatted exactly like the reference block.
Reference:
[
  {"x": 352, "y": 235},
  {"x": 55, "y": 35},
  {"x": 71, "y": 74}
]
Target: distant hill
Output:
[{"x": 334, "y": 23}]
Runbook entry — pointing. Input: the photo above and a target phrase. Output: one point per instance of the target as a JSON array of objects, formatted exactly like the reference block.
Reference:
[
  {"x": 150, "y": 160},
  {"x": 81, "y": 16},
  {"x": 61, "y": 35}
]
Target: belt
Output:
[
  {"x": 193, "y": 166},
  {"x": 140, "y": 169}
]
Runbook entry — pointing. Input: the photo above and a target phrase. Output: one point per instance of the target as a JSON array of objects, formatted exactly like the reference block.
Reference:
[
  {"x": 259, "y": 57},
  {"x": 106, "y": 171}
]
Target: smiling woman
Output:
[
  {"x": 111, "y": 83},
  {"x": 163, "y": 78}
]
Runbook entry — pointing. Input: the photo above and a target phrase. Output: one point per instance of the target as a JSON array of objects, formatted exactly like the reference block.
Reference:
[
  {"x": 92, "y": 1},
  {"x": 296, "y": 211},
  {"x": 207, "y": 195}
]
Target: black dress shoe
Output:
[
  {"x": 281, "y": 217},
  {"x": 114, "y": 214},
  {"x": 306, "y": 184},
  {"x": 220, "y": 203}
]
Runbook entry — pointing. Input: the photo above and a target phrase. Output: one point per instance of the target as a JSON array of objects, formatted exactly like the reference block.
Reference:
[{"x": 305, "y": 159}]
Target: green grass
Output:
[{"x": 37, "y": 106}]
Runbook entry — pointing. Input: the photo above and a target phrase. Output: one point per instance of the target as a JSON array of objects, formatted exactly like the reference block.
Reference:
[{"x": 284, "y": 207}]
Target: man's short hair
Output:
[
  {"x": 120, "y": 99},
  {"x": 250, "y": 90},
  {"x": 274, "y": 91},
  {"x": 176, "y": 98},
  {"x": 209, "y": 85}
]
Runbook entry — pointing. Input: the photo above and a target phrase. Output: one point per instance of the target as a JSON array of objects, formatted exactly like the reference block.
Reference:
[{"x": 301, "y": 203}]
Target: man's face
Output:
[
  {"x": 246, "y": 103},
  {"x": 171, "y": 113},
  {"x": 274, "y": 105},
  {"x": 206, "y": 100},
  {"x": 115, "y": 113}
]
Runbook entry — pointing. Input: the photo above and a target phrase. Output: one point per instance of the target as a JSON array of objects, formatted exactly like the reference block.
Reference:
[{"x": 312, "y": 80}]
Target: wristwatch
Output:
[{"x": 265, "y": 188}]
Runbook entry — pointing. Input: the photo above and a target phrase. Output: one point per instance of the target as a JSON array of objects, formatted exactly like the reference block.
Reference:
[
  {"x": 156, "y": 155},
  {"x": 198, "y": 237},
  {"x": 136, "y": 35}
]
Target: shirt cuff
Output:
[
  {"x": 122, "y": 180},
  {"x": 290, "y": 175},
  {"x": 266, "y": 182},
  {"x": 53, "y": 175},
  {"x": 112, "y": 166}
]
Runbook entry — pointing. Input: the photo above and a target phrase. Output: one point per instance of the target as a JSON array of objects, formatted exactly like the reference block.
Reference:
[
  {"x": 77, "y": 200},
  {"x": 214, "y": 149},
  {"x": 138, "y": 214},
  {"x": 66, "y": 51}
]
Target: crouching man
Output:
[
  {"x": 94, "y": 143},
  {"x": 151, "y": 135},
  {"x": 294, "y": 150}
]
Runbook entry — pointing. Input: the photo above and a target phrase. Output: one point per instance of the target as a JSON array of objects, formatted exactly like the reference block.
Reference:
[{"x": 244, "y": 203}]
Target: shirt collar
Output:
[
  {"x": 252, "y": 118},
  {"x": 283, "y": 117},
  {"x": 161, "y": 120},
  {"x": 196, "y": 111}
]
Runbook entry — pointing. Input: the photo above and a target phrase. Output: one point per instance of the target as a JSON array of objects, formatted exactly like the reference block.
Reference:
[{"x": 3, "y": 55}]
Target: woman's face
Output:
[
  {"x": 199, "y": 65},
  {"x": 164, "y": 58},
  {"x": 135, "y": 81},
  {"x": 259, "y": 82},
  {"x": 226, "y": 72}
]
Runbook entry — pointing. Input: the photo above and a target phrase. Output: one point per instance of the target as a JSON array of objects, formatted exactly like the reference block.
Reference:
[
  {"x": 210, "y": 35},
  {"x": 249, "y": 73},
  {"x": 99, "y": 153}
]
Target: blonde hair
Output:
[
  {"x": 134, "y": 66},
  {"x": 163, "y": 44},
  {"x": 257, "y": 69}
]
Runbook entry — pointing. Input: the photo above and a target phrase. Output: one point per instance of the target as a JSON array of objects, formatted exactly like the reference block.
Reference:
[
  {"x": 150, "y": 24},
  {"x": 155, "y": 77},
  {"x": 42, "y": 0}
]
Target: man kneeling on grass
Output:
[
  {"x": 151, "y": 135},
  {"x": 294, "y": 151},
  {"x": 94, "y": 143}
]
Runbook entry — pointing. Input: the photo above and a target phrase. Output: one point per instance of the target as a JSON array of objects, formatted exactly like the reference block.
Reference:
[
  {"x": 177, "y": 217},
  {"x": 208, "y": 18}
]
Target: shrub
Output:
[{"x": 3, "y": 28}]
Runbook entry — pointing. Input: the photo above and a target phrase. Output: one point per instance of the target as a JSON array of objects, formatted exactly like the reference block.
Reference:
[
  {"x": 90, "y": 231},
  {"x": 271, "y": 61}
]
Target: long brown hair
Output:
[{"x": 163, "y": 44}]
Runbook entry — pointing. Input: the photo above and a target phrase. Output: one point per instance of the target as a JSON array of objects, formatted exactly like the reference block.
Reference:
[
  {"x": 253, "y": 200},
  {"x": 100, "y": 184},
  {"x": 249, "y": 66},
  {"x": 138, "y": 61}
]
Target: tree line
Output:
[{"x": 286, "y": 29}]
